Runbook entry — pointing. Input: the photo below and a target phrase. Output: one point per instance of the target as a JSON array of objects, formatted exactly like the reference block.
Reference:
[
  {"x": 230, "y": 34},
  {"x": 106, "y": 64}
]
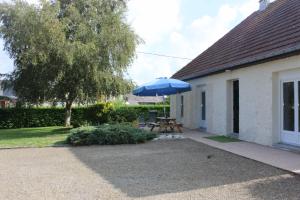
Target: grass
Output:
[
  {"x": 33, "y": 137},
  {"x": 223, "y": 139}
]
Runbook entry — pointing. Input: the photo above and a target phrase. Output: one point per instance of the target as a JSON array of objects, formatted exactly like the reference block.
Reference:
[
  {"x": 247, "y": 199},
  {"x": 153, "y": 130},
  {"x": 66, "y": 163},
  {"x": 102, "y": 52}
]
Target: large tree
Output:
[{"x": 68, "y": 50}]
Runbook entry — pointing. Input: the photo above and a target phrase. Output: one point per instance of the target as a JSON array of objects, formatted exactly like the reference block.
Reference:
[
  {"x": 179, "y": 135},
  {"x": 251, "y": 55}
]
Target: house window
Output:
[{"x": 181, "y": 106}]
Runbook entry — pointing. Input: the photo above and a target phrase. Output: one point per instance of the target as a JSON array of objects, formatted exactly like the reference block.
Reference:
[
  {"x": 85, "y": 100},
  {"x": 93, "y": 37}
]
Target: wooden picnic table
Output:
[{"x": 166, "y": 122}]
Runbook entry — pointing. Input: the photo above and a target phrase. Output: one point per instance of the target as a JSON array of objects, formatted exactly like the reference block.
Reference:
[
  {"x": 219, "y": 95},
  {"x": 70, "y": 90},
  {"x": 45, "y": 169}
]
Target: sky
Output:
[{"x": 179, "y": 28}]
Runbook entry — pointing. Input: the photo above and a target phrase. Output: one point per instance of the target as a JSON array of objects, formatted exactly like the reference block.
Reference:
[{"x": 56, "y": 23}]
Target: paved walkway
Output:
[{"x": 278, "y": 158}]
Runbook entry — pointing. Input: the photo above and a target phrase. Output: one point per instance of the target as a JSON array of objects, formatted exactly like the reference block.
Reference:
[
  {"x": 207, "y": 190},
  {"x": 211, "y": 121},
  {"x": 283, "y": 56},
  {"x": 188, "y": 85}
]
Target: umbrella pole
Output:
[{"x": 164, "y": 106}]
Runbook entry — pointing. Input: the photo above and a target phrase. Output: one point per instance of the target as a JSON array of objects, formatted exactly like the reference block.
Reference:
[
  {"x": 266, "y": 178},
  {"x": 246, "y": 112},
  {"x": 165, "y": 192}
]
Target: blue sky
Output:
[{"x": 182, "y": 28}]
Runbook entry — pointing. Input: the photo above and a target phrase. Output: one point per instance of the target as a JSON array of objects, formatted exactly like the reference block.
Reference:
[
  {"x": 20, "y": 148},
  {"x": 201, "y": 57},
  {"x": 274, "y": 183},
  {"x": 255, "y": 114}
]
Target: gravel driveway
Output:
[{"x": 178, "y": 169}]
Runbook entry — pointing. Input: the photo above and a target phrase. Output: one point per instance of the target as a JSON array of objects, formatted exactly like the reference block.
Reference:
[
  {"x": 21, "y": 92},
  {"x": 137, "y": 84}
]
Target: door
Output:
[
  {"x": 236, "y": 106},
  {"x": 290, "y": 132},
  {"x": 203, "y": 108}
]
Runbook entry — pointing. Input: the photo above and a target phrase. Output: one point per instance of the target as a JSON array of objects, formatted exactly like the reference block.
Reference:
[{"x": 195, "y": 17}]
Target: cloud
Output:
[
  {"x": 184, "y": 40},
  {"x": 146, "y": 68},
  {"x": 204, "y": 31},
  {"x": 161, "y": 24},
  {"x": 153, "y": 19},
  {"x": 247, "y": 8}
]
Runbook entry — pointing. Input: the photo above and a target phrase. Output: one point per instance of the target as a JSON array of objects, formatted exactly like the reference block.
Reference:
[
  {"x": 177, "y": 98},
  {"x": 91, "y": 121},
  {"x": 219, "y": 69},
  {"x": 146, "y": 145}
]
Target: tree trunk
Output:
[{"x": 68, "y": 114}]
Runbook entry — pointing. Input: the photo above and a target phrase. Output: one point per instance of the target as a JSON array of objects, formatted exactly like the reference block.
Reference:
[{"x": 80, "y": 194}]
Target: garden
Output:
[
  {"x": 100, "y": 124},
  {"x": 73, "y": 56}
]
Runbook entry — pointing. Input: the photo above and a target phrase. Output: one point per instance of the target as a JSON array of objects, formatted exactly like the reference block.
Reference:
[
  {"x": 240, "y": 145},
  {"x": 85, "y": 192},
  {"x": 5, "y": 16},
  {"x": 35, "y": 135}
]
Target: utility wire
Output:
[{"x": 162, "y": 55}]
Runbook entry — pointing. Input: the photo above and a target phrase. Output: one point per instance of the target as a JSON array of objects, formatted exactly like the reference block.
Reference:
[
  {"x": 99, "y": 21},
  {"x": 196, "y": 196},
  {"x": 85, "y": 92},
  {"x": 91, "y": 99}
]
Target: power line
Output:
[{"x": 162, "y": 55}]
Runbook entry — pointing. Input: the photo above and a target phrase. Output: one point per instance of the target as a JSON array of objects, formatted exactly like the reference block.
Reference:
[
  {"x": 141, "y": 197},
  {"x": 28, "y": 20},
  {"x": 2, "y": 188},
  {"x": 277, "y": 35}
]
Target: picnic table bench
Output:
[{"x": 165, "y": 123}]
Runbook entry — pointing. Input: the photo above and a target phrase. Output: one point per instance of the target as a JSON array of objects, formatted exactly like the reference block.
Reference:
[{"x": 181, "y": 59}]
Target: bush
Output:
[
  {"x": 77, "y": 124},
  {"x": 93, "y": 115},
  {"x": 108, "y": 135},
  {"x": 98, "y": 114},
  {"x": 123, "y": 114},
  {"x": 143, "y": 110},
  {"x": 31, "y": 117}
]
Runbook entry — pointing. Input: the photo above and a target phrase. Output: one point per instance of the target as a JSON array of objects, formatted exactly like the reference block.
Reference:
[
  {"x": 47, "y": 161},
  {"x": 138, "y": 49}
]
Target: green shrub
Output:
[
  {"x": 31, "y": 117},
  {"x": 143, "y": 110},
  {"x": 108, "y": 135},
  {"x": 93, "y": 115},
  {"x": 98, "y": 114},
  {"x": 123, "y": 114},
  {"x": 79, "y": 123},
  {"x": 80, "y": 136}
]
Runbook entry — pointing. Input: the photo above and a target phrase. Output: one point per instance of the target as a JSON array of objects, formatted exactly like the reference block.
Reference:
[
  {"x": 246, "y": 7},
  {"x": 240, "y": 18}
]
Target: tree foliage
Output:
[{"x": 68, "y": 50}]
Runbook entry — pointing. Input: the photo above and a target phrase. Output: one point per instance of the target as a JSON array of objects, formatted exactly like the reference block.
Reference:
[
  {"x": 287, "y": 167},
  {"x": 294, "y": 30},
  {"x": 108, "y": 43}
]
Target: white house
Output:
[{"x": 248, "y": 82}]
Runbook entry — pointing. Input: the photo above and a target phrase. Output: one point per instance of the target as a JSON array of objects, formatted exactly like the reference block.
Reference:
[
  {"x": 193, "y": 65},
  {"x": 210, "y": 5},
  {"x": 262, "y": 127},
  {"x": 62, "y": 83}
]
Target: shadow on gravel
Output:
[{"x": 174, "y": 166}]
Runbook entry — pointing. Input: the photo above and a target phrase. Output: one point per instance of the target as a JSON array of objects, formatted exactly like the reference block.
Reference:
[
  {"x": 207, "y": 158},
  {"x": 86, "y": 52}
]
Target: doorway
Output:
[
  {"x": 236, "y": 106},
  {"x": 290, "y": 113},
  {"x": 203, "y": 109}
]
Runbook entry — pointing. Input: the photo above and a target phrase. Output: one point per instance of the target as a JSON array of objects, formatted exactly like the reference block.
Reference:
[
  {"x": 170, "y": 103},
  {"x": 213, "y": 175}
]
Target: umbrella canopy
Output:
[{"x": 161, "y": 87}]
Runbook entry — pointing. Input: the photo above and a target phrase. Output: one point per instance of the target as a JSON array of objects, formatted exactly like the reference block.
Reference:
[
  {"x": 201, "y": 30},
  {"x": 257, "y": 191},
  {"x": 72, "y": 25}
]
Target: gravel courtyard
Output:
[{"x": 178, "y": 169}]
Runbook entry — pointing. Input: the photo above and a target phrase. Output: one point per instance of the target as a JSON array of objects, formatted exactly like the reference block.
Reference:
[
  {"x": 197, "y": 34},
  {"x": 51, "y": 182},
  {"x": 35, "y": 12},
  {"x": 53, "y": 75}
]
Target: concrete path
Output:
[{"x": 278, "y": 158}]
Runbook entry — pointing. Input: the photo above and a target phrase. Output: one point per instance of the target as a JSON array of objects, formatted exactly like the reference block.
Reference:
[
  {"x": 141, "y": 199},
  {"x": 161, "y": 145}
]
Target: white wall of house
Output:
[{"x": 259, "y": 101}]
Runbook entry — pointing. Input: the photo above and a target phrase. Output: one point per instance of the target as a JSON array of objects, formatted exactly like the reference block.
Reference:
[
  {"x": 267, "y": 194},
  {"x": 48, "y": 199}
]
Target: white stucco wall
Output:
[{"x": 259, "y": 101}]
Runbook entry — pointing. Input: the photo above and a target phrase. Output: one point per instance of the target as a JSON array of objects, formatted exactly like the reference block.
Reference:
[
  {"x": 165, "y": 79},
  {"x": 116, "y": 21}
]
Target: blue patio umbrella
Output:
[{"x": 162, "y": 87}]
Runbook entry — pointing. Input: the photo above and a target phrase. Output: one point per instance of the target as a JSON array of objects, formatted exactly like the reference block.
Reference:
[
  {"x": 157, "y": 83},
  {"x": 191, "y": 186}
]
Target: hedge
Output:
[{"x": 92, "y": 115}]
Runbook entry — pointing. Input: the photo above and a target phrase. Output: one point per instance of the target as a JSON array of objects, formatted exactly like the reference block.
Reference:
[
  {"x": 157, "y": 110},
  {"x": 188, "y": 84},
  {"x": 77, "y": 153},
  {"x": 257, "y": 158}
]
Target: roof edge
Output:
[{"x": 247, "y": 63}]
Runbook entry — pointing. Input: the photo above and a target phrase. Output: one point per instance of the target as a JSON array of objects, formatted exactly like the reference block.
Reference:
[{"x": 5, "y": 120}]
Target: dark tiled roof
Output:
[{"x": 263, "y": 35}]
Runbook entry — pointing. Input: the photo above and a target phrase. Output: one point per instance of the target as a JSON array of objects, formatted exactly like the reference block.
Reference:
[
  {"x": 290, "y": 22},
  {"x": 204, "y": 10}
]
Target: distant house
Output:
[
  {"x": 130, "y": 99},
  {"x": 248, "y": 82},
  {"x": 7, "y": 97}
]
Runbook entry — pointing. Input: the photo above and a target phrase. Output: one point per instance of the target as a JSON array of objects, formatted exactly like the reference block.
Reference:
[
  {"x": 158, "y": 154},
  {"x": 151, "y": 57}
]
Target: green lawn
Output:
[
  {"x": 223, "y": 139},
  {"x": 33, "y": 137}
]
